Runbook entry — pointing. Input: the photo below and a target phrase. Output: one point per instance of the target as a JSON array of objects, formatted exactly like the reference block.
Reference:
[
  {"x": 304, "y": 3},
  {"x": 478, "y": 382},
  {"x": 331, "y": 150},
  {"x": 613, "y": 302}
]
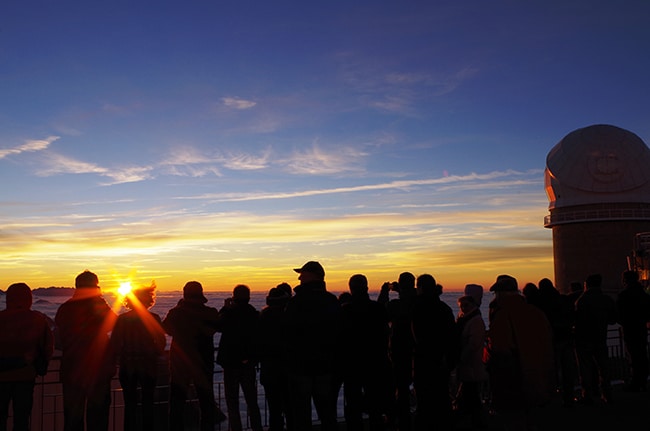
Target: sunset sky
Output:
[{"x": 229, "y": 142}]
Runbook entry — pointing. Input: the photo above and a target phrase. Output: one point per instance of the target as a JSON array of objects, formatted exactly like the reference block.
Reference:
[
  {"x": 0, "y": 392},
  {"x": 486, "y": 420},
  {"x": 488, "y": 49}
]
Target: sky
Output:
[{"x": 229, "y": 142}]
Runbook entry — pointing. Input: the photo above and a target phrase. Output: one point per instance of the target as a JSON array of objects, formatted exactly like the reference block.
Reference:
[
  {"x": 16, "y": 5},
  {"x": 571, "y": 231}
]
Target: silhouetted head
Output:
[
  {"x": 546, "y": 285},
  {"x": 358, "y": 284},
  {"x": 145, "y": 295},
  {"x": 193, "y": 291},
  {"x": 19, "y": 297},
  {"x": 467, "y": 304},
  {"x": 406, "y": 280},
  {"x": 86, "y": 280},
  {"x": 529, "y": 290},
  {"x": 241, "y": 294},
  {"x": 593, "y": 281},
  {"x": 344, "y": 298},
  {"x": 505, "y": 283},
  {"x": 285, "y": 287},
  {"x": 475, "y": 291},
  {"x": 426, "y": 285},
  {"x": 576, "y": 286},
  {"x": 311, "y": 271},
  {"x": 277, "y": 296}
]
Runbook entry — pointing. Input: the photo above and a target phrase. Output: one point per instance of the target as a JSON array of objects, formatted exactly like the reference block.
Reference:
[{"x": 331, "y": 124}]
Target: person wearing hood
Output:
[
  {"x": 87, "y": 364},
  {"x": 312, "y": 316},
  {"x": 192, "y": 326},
  {"x": 26, "y": 346}
]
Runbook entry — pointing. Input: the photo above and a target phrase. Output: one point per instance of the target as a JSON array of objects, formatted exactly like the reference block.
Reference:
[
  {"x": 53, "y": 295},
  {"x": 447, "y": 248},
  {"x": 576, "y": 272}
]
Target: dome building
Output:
[{"x": 597, "y": 180}]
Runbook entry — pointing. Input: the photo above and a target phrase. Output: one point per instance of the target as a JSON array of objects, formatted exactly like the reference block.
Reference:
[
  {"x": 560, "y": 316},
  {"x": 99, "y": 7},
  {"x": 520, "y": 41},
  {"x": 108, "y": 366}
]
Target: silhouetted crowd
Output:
[{"x": 403, "y": 361}]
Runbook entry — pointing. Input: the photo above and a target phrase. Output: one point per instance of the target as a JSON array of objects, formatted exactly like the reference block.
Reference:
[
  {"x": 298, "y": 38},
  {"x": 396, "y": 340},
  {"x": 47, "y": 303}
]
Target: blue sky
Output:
[{"x": 229, "y": 142}]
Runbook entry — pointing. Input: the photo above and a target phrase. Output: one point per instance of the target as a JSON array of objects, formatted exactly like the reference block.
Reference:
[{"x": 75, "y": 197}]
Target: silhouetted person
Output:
[
  {"x": 594, "y": 312},
  {"x": 559, "y": 313},
  {"x": 192, "y": 326},
  {"x": 87, "y": 365},
  {"x": 470, "y": 370},
  {"x": 26, "y": 346},
  {"x": 434, "y": 356},
  {"x": 576, "y": 289},
  {"x": 569, "y": 367},
  {"x": 312, "y": 319},
  {"x": 531, "y": 293},
  {"x": 401, "y": 344},
  {"x": 286, "y": 288},
  {"x": 138, "y": 341},
  {"x": 634, "y": 313},
  {"x": 364, "y": 357},
  {"x": 343, "y": 298},
  {"x": 476, "y": 292},
  {"x": 519, "y": 356},
  {"x": 238, "y": 323},
  {"x": 273, "y": 363}
]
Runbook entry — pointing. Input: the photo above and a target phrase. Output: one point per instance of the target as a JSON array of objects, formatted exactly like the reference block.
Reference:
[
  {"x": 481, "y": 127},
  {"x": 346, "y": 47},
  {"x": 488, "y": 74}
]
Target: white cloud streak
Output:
[
  {"x": 398, "y": 185},
  {"x": 29, "y": 146},
  {"x": 237, "y": 103},
  {"x": 317, "y": 161}
]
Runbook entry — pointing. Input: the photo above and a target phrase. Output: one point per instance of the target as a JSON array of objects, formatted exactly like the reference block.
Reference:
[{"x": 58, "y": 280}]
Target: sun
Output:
[{"x": 125, "y": 288}]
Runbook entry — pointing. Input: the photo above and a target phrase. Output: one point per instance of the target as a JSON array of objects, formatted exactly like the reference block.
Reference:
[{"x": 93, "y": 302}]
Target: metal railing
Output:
[
  {"x": 47, "y": 413},
  {"x": 603, "y": 214}
]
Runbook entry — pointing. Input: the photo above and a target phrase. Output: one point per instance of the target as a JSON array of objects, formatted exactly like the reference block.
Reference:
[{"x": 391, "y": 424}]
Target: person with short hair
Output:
[
  {"x": 595, "y": 311},
  {"x": 87, "y": 365},
  {"x": 138, "y": 341},
  {"x": 365, "y": 363},
  {"x": 634, "y": 313},
  {"x": 192, "y": 326},
  {"x": 401, "y": 344},
  {"x": 238, "y": 323},
  {"x": 435, "y": 355},
  {"x": 26, "y": 346}
]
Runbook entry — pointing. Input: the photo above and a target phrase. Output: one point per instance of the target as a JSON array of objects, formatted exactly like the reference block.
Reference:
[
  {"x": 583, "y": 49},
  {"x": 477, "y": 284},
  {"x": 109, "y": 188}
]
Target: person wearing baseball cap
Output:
[
  {"x": 311, "y": 269},
  {"x": 312, "y": 316}
]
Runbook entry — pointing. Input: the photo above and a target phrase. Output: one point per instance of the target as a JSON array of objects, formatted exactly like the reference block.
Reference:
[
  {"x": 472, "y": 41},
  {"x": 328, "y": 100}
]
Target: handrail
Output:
[
  {"x": 47, "y": 414},
  {"x": 603, "y": 214}
]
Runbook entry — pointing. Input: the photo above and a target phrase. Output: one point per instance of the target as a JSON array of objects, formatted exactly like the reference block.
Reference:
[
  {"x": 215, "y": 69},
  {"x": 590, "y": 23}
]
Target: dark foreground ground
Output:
[{"x": 628, "y": 411}]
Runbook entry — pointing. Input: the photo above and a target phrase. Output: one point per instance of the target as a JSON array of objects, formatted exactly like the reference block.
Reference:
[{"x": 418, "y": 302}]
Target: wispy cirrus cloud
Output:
[
  {"x": 57, "y": 164},
  {"x": 246, "y": 162},
  {"x": 237, "y": 103},
  {"x": 316, "y": 160},
  {"x": 29, "y": 146},
  {"x": 194, "y": 162},
  {"x": 473, "y": 178}
]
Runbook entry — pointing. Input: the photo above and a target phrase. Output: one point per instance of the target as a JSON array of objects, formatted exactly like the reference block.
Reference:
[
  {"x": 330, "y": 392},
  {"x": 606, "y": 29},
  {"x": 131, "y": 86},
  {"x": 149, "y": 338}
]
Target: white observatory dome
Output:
[{"x": 598, "y": 164}]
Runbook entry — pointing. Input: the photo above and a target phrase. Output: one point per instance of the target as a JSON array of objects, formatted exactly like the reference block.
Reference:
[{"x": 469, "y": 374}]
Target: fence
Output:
[{"x": 47, "y": 413}]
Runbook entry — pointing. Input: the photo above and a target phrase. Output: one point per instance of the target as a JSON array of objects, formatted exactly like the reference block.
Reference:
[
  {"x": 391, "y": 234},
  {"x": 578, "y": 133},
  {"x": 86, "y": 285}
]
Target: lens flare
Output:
[{"x": 125, "y": 288}]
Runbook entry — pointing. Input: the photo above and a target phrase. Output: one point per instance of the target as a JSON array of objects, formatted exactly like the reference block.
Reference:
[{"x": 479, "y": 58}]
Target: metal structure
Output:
[{"x": 597, "y": 180}]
